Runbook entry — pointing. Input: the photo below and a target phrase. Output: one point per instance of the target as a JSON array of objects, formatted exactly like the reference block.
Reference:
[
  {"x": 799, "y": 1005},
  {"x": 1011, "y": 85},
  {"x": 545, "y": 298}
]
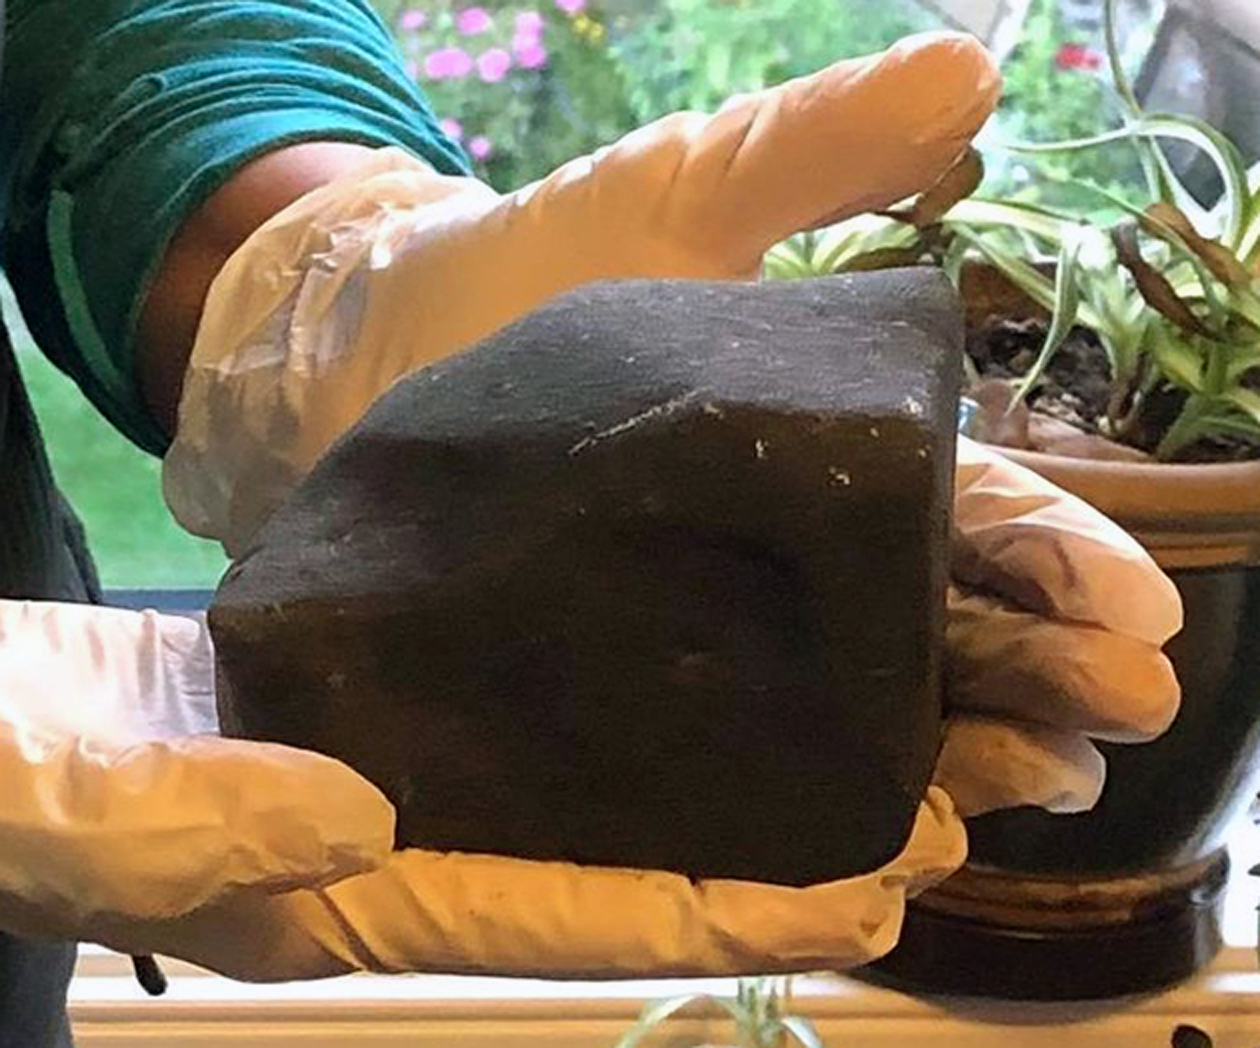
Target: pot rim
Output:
[{"x": 1187, "y": 515}]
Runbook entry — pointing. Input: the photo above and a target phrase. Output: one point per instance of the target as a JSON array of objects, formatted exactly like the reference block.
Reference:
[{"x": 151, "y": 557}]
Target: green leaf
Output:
[
  {"x": 1039, "y": 221},
  {"x": 1176, "y": 358},
  {"x": 1241, "y": 360},
  {"x": 1188, "y": 427},
  {"x": 653, "y": 1014},
  {"x": 1223, "y": 153},
  {"x": 1241, "y": 426},
  {"x": 1160, "y": 178},
  {"x": 1062, "y": 317},
  {"x": 1245, "y": 400},
  {"x": 803, "y": 1030}
]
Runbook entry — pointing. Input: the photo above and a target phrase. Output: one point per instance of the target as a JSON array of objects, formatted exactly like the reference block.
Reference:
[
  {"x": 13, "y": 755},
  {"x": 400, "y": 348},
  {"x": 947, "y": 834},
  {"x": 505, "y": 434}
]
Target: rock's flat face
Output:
[{"x": 654, "y": 577}]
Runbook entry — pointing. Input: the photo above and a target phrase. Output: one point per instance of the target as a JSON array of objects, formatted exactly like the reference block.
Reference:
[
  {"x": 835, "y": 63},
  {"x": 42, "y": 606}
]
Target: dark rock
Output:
[{"x": 652, "y": 578}]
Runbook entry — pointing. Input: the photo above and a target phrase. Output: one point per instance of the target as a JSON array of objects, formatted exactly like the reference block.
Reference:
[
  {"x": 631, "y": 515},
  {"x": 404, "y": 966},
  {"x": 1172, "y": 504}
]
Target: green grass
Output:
[{"x": 115, "y": 487}]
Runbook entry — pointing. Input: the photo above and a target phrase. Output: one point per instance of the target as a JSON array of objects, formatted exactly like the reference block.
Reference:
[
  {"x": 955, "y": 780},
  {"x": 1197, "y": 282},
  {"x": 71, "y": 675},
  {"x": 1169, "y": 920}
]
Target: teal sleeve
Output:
[{"x": 165, "y": 101}]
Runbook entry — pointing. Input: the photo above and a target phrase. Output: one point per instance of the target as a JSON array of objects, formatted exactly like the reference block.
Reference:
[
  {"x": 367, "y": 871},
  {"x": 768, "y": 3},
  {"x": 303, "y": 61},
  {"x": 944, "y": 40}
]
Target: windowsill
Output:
[{"x": 200, "y": 1009}]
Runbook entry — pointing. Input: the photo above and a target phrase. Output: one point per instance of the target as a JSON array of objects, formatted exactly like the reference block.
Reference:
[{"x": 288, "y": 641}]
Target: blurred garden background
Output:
[{"x": 525, "y": 86}]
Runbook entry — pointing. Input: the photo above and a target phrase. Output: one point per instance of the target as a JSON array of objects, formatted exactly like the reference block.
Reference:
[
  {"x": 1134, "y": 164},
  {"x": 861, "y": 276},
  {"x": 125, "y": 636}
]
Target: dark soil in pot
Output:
[{"x": 1075, "y": 391}]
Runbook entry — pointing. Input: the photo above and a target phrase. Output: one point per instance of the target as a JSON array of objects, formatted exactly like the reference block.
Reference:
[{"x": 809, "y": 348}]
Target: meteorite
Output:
[{"x": 653, "y": 577}]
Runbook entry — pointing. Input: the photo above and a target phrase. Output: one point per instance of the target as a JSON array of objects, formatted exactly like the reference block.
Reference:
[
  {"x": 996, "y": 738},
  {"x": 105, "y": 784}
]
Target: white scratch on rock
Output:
[
  {"x": 840, "y": 477},
  {"x": 656, "y": 411}
]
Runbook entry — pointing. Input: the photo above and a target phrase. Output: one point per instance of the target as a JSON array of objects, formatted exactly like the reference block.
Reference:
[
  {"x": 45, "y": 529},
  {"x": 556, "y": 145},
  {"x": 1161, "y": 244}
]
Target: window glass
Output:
[{"x": 114, "y": 487}]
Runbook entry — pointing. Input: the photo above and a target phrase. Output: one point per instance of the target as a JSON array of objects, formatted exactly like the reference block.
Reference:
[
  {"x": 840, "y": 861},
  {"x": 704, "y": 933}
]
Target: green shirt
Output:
[{"x": 120, "y": 117}]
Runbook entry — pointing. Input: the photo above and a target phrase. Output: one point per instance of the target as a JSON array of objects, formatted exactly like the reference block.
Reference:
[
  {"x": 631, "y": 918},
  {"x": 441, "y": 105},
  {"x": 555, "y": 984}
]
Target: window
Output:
[{"x": 525, "y": 86}]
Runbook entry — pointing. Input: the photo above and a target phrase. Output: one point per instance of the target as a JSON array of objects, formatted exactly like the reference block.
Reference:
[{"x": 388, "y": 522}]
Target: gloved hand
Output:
[
  {"x": 116, "y": 796},
  {"x": 1055, "y": 625},
  {"x": 1063, "y": 644},
  {"x": 393, "y": 267}
]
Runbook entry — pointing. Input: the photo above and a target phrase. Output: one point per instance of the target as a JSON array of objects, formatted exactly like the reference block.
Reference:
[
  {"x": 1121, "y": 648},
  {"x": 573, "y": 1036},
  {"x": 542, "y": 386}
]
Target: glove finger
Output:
[
  {"x": 477, "y": 914},
  {"x": 1079, "y": 678},
  {"x": 157, "y": 829},
  {"x": 858, "y": 135},
  {"x": 986, "y": 764},
  {"x": 1047, "y": 551}
]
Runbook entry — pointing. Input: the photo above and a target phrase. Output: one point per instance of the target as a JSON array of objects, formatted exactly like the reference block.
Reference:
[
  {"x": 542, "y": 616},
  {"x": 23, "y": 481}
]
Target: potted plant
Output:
[
  {"x": 759, "y": 1012},
  {"x": 1122, "y": 361}
]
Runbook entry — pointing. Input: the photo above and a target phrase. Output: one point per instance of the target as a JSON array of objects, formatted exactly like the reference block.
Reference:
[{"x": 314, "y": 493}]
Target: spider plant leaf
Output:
[
  {"x": 881, "y": 258},
  {"x": 803, "y": 1030},
  {"x": 782, "y": 265},
  {"x": 1223, "y": 153},
  {"x": 1041, "y": 222},
  {"x": 741, "y": 1010},
  {"x": 1062, "y": 317},
  {"x": 1161, "y": 180},
  {"x": 1241, "y": 426},
  {"x": 1241, "y": 360},
  {"x": 1163, "y": 219},
  {"x": 1186, "y": 428},
  {"x": 952, "y": 263},
  {"x": 653, "y": 1014},
  {"x": 1175, "y": 358},
  {"x": 863, "y": 233},
  {"x": 1244, "y": 400},
  {"x": 1024, "y": 276},
  {"x": 1151, "y": 283}
]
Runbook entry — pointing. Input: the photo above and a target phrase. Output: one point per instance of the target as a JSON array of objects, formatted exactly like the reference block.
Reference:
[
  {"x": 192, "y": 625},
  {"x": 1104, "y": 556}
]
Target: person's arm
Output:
[{"x": 203, "y": 244}]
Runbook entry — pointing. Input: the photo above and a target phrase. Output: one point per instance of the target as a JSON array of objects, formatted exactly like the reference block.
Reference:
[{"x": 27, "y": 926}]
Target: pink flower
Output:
[
  {"x": 522, "y": 42},
  {"x": 412, "y": 19},
  {"x": 531, "y": 56},
  {"x": 448, "y": 63},
  {"x": 452, "y": 129},
  {"x": 529, "y": 24},
  {"x": 571, "y": 7},
  {"x": 493, "y": 65},
  {"x": 479, "y": 147},
  {"x": 1077, "y": 56},
  {"x": 473, "y": 20}
]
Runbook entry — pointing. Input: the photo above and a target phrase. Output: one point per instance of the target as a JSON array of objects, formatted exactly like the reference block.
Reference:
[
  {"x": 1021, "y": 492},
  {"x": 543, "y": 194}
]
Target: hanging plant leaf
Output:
[
  {"x": 1151, "y": 283},
  {"x": 653, "y": 1014},
  {"x": 1177, "y": 360},
  {"x": 1063, "y": 316}
]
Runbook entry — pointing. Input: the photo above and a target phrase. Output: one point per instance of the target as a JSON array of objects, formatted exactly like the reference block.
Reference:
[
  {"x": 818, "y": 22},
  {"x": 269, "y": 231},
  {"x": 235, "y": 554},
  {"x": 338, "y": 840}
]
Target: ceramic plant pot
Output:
[{"x": 1127, "y": 897}]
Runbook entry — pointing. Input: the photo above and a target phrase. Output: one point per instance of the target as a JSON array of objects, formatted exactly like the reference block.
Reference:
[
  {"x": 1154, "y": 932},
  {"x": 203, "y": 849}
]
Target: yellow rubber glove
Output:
[
  {"x": 1056, "y": 621},
  {"x": 116, "y": 795}
]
